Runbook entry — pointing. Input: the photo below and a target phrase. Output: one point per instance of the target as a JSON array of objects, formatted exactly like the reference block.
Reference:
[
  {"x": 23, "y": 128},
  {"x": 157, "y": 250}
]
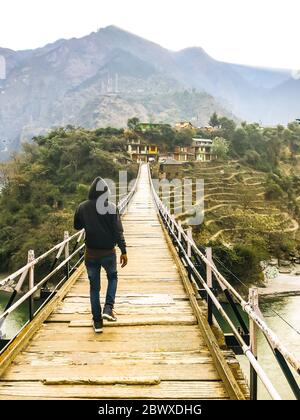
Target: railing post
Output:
[
  {"x": 189, "y": 233},
  {"x": 172, "y": 223},
  {"x": 166, "y": 215},
  {"x": 253, "y": 300},
  {"x": 210, "y": 285},
  {"x": 67, "y": 253},
  {"x": 166, "y": 212},
  {"x": 31, "y": 283},
  {"x": 179, "y": 230}
]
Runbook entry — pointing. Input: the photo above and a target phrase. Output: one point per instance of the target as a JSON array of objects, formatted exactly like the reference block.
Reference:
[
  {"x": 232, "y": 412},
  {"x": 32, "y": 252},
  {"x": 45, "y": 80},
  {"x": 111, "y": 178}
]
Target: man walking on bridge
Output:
[{"x": 103, "y": 229}]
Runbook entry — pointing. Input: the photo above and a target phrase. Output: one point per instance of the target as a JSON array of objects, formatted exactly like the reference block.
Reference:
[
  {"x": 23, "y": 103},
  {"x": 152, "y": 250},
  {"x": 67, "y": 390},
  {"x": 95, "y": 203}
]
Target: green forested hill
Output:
[
  {"x": 43, "y": 184},
  {"x": 251, "y": 196}
]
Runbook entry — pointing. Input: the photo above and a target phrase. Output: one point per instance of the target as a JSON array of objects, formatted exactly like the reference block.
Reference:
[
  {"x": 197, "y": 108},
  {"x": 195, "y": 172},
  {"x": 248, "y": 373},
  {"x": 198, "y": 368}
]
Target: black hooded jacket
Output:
[{"x": 103, "y": 231}]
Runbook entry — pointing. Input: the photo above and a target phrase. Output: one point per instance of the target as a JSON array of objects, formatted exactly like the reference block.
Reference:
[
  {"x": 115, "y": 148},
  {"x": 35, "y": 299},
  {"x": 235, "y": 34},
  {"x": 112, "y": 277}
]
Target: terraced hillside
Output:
[{"x": 235, "y": 204}]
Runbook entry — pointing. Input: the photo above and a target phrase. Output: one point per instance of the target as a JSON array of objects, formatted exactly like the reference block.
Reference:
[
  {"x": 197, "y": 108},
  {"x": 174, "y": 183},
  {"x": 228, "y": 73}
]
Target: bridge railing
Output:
[
  {"x": 200, "y": 265},
  {"x": 68, "y": 255},
  {"x": 63, "y": 265},
  {"x": 124, "y": 202}
]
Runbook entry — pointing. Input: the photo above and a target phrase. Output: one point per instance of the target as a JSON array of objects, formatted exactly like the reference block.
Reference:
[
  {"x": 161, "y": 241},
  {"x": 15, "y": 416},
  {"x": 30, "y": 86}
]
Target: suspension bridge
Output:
[{"x": 166, "y": 343}]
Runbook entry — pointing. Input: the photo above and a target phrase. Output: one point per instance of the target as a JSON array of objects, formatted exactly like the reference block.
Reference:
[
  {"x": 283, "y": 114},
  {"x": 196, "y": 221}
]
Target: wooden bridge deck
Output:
[{"x": 155, "y": 350}]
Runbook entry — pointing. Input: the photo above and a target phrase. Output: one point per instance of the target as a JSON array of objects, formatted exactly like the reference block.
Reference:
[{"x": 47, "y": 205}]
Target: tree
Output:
[
  {"x": 248, "y": 269},
  {"x": 113, "y": 144},
  {"x": 220, "y": 147},
  {"x": 184, "y": 137},
  {"x": 214, "y": 120},
  {"x": 227, "y": 128},
  {"x": 240, "y": 142},
  {"x": 273, "y": 191},
  {"x": 239, "y": 262},
  {"x": 252, "y": 157},
  {"x": 281, "y": 244},
  {"x": 292, "y": 137},
  {"x": 132, "y": 123}
]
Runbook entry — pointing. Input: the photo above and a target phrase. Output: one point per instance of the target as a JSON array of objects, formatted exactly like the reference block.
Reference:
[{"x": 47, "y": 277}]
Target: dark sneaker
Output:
[
  {"x": 98, "y": 326},
  {"x": 109, "y": 313}
]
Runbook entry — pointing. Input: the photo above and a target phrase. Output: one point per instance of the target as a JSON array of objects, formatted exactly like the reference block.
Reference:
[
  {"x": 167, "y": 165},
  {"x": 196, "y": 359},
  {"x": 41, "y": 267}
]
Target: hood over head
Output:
[{"x": 98, "y": 187}]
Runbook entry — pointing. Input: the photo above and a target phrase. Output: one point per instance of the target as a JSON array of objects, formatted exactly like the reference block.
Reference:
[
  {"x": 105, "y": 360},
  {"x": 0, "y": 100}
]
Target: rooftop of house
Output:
[
  {"x": 142, "y": 144},
  {"x": 152, "y": 125},
  {"x": 208, "y": 141},
  {"x": 134, "y": 141},
  {"x": 180, "y": 123},
  {"x": 207, "y": 127}
]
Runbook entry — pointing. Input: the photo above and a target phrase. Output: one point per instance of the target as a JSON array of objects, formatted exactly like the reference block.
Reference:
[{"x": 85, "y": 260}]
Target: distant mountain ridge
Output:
[{"x": 109, "y": 76}]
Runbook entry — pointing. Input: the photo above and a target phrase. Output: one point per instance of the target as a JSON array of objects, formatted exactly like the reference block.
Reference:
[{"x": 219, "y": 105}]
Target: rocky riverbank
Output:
[{"x": 281, "y": 280}]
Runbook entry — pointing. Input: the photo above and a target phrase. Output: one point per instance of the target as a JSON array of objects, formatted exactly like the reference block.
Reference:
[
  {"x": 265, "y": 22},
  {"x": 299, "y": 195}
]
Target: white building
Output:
[{"x": 203, "y": 150}]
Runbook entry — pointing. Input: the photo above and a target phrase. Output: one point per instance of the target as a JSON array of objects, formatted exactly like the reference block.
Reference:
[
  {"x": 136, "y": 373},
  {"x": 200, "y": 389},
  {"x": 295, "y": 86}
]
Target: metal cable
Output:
[{"x": 229, "y": 271}]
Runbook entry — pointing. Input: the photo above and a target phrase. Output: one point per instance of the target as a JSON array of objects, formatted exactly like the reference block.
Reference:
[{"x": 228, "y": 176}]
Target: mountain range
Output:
[{"x": 111, "y": 75}]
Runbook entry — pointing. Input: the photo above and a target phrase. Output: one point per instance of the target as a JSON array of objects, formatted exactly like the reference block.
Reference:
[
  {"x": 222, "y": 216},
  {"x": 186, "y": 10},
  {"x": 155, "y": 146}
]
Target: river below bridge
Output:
[{"x": 286, "y": 307}]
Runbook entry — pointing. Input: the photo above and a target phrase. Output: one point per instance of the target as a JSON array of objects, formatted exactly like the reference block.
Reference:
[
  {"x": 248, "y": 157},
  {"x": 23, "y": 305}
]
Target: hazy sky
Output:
[{"x": 257, "y": 32}]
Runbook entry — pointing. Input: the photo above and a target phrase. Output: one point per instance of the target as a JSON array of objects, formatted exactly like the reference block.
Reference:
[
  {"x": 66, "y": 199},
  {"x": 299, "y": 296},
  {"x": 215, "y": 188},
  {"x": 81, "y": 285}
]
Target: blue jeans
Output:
[{"x": 109, "y": 263}]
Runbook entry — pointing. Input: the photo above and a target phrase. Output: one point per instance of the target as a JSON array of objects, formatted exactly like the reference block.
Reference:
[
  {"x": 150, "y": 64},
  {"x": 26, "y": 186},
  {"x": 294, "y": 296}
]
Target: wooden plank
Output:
[
  {"x": 78, "y": 358},
  {"x": 122, "y": 313},
  {"x": 225, "y": 372},
  {"x": 125, "y": 309},
  {"x": 163, "y": 370},
  {"x": 147, "y": 286},
  {"x": 110, "y": 346},
  {"x": 139, "y": 380},
  {"x": 141, "y": 321},
  {"x": 27, "y": 333},
  {"x": 165, "y": 390},
  {"x": 146, "y": 332},
  {"x": 74, "y": 297}
]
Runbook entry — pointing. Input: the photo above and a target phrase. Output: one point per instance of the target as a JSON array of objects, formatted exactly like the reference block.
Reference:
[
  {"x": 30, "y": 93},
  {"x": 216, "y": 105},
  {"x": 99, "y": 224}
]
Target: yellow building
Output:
[
  {"x": 142, "y": 152},
  {"x": 153, "y": 149}
]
